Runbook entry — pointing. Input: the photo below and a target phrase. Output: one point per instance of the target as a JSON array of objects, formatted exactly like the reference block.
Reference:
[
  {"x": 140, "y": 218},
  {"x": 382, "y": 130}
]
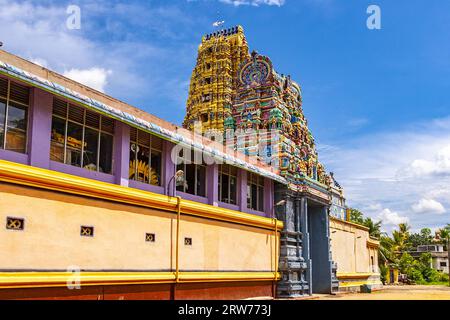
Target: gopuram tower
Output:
[
  {"x": 241, "y": 96},
  {"x": 215, "y": 77}
]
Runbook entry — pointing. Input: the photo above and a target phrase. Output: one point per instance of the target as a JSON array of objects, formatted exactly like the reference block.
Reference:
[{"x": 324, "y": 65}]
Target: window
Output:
[
  {"x": 14, "y": 102},
  {"x": 150, "y": 237},
  {"x": 443, "y": 263},
  {"x": 15, "y": 223},
  {"x": 227, "y": 184},
  {"x": 204, "y": 117},
  {"x": 194, "y": 174},
  {"x": 81, "y": 137},
  {"x": 86, "y": 231},
  {"x": 255, "y": 192},
  {"x": 145, "y": 157}
]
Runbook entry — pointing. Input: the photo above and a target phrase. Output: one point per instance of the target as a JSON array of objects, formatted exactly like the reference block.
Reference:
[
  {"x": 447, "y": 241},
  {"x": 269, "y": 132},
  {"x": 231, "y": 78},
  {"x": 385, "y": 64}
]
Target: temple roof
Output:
[{"x": 225, "y": 32}]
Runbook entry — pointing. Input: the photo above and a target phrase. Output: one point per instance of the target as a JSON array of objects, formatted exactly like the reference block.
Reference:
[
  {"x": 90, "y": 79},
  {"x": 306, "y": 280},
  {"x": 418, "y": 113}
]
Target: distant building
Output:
[
  {"x": 438, "y": 255},
  {"x": 338, "y": 207}
]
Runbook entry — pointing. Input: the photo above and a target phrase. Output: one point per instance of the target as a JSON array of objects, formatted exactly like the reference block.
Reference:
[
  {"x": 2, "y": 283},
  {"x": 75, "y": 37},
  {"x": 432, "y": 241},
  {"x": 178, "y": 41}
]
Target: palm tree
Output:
[
  {"x": 400, "y": 238},
  {"x": 386, "y": 252},
  {"x": 374, "y": 227},
  {"x": 356, "y": 216},
  {"x": 404, "y": 228}
]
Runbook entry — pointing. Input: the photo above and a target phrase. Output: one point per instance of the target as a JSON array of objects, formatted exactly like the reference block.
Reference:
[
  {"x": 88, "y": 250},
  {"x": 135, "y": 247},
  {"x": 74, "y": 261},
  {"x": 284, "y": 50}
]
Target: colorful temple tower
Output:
[
  {"x": 215, "y": 77},
  {"x": 242, "y": 96},
  {"x": 259, "y": 112},
  {"x": 269, "y": 105}
]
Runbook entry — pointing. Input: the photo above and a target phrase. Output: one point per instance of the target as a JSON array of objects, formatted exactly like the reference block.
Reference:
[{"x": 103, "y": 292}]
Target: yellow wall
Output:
[
  {"x": 51, "y": 239},
  {"x": 352, "y": 249}
]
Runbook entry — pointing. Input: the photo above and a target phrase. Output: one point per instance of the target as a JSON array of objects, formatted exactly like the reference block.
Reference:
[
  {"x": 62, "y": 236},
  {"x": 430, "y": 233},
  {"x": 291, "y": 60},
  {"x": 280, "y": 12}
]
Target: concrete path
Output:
[{"x": 415, "y": 292}]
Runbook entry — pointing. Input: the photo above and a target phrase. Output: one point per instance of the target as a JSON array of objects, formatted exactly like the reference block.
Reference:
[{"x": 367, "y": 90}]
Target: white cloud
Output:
[
  {"x": 390, "y": 218},
  {"x": 375, "y": 170},
  {"x": 143, "y": 63},
  {"x": 439, "y": 165},
  {"x": 255, "y": 3},
  {"x": 95, "y": 78},
  {"x": 428, "y": 206}
]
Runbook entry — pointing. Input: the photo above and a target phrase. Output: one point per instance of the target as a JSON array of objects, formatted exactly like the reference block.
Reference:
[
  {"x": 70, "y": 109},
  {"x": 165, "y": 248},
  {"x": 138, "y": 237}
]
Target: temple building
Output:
[
  {"x": 100, "y": 200},
  {"x": 261, "y": 116}
]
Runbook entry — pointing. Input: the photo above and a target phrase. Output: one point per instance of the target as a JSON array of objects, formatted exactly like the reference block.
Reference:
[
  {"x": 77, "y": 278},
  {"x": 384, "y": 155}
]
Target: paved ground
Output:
[{"x": 396, "y": 293}]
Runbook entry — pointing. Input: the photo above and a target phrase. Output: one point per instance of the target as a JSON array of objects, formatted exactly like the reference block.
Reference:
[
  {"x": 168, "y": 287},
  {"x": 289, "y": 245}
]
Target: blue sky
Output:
[{"x": 376, "y": 100}]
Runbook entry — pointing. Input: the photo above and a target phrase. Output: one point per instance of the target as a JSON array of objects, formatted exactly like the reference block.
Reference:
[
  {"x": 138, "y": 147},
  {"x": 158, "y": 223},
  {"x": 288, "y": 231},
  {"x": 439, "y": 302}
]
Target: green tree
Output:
[
  {"x": 400, "y": 238},
  {"x": 393, "y": 252},
  {"x": 423, "y": 238},
  {"x": 411, "y": 267},
  {"x": 356, "y": 216},
  {"x": 444, "y": 235},
  {"x": 386, "y": 252},
  {"x": 374, "y": 227}
]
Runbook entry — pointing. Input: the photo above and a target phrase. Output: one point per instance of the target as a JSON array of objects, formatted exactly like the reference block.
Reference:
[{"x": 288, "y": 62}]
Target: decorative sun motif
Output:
[{"x": 254, "y": 73}]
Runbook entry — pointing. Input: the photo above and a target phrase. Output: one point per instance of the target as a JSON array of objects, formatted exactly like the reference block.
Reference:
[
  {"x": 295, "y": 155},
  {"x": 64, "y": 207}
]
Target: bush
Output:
[
  {"x": 383, "y": 273},
  {"x": 415, "y": 275},
  {"x": 443, "y": 277},
  {"x": 432, "y": 276}
]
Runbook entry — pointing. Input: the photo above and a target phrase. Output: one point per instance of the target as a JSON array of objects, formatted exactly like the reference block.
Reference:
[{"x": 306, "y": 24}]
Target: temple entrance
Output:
[{"x": 319, "y": 248}]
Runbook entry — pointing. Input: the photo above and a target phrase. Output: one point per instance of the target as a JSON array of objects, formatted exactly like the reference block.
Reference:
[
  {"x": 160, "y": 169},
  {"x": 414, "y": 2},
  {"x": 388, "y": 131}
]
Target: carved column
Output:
[
  {"x": 292, "y": 265},
  {"x": 304, "y": 229}
]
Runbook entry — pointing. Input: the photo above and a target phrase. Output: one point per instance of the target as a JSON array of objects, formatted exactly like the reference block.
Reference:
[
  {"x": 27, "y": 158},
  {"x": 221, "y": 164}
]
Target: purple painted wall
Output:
[
  {"x": 13, "y": 156},
  {"x": 121, "y": 164},
  {"x": 269, "y": 198},
  {"x": 39, "y": 133},
  {"x": 242, "y": 190},
  {"x": 229, "y": 206},
  {"x": 146, "y": 187},
  {"x": 168, "y": 168},
  {"x": 212, "y": 185},
  {"x": 81, "y": 172},
  {"x": 40, "y": 128}
]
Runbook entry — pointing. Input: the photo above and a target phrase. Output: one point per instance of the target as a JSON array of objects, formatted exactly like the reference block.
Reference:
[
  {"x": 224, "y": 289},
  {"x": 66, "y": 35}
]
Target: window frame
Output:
[
  {"x": 98, "y": 130},
  {"x": 259, "y": 184},
  {"x": 196, "y": 166},
  {"x": 230, "y": 175},
  {"x": 151, "y": 149},
  {"x": 27, "y": 115}
]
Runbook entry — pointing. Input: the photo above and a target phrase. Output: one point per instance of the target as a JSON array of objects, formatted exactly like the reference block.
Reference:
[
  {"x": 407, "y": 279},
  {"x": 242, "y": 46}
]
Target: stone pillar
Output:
[
  {"x": 121, "y": 153},
  {"x": 304, "y": 229},
  {"x": 292, "y": 264},
  {"x": 242, "y": 190},
  {"x": 41, "y": 127}
]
